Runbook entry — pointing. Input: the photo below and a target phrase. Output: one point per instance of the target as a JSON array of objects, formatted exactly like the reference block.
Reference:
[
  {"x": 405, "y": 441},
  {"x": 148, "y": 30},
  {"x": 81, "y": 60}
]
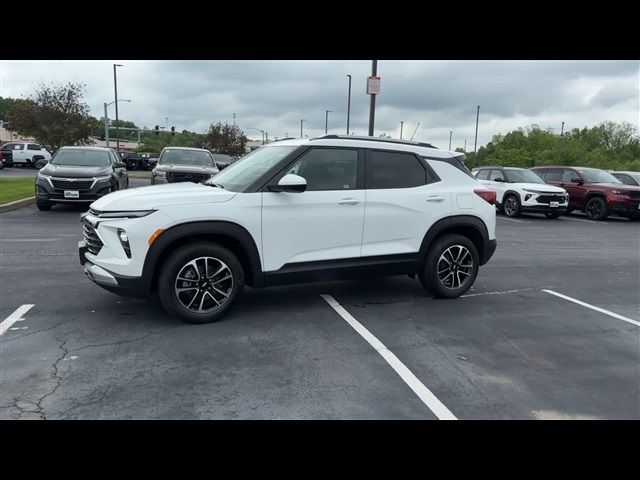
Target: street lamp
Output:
[
  {"x": 106, "y": 118},
  {"x": 301, "y": 120},
  {"x": 326, "y": 120},
  {"x": 115, "y": 90},
  {"x": 262, "y": 131},
  {"x": 450, "y": 135},
  {"x": 401, "y": 125},
  {"x": 348, "y": 104}
]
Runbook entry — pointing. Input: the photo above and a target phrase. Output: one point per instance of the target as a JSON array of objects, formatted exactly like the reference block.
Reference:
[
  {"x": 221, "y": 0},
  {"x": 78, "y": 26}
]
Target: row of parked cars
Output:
[{"x": 555, "y": 190}]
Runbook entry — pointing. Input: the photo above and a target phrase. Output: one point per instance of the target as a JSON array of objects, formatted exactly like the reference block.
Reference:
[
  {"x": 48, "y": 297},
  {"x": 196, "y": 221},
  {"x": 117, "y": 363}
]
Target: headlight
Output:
[
  {"x": 124, "y": 240},
  {"x": 44, "y": 177},
  {"x": 160, "y": 173},
  {"x": 619, "y": 192},
  {"x": 102, "y": 179}
]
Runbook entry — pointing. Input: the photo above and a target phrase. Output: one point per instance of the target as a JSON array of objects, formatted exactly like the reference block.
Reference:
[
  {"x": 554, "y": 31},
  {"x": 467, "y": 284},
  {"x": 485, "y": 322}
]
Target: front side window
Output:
[
  {"x": 94, "y": 158},
  {"x": 484, "y": 174},
  {"x": 626, "y": 179},
  {"x": 33, "y": 146},
  {"x": 327, "y": 169},
  {"x": 394, "y": 170},
  {"x": 185, "y": 157},
  {"x": 521, "y": 176},
  {"x": 18, "y": 146},
  {"x": 568, "y": 176},
  {"x": 496, "y": 175}
]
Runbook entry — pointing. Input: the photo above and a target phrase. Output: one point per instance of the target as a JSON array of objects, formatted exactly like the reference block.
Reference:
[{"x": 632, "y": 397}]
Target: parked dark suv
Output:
[
  {"x": 79, "y": 174},
  {"x": 593, "y": 191}
]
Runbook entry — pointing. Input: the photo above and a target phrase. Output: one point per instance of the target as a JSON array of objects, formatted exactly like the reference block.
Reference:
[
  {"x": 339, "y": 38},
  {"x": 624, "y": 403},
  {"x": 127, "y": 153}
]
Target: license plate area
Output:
[
  {"x": 554, "y": 204},
  {"x": 71, "y": 194}
]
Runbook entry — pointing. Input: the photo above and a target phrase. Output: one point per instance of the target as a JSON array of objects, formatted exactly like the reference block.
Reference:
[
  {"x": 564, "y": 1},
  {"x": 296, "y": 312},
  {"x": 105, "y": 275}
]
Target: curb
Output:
[{"x": 7, "y": 207}]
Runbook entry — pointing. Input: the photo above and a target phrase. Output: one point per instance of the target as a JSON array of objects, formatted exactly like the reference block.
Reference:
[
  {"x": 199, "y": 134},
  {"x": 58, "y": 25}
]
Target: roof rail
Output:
[{"x": 372, "y": 139}]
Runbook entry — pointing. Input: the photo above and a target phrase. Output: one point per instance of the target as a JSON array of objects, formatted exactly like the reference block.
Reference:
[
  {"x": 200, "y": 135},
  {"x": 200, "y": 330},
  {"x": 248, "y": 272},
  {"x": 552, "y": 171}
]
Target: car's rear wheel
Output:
[
  {"x": 451, "y": 266},
  {"x": 511, "y": 206},
  {"x": 200, "y": 282},
  {"x": 596, "y": 209}
]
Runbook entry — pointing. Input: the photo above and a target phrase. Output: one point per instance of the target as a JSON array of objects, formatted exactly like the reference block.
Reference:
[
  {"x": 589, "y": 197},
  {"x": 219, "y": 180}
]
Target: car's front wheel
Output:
[
  {"x": 200, "y": 282},
  {"x": 596, "y": 209},
  {"x": 451, "y": 266},
  {"x": 511, "y": 206}
]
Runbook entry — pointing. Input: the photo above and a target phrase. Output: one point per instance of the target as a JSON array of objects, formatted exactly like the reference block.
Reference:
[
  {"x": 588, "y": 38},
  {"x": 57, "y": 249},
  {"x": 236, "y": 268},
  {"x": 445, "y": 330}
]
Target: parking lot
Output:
[{"x": 509, "y": 349}]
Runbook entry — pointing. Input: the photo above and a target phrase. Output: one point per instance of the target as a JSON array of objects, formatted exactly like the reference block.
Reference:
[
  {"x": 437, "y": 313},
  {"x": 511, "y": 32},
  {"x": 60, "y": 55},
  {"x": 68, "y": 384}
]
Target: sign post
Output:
[{"x": 373, "y": 89}]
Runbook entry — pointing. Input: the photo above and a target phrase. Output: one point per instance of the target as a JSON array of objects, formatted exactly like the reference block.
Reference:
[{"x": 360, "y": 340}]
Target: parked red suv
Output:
[{"x": 594, "y": 192}]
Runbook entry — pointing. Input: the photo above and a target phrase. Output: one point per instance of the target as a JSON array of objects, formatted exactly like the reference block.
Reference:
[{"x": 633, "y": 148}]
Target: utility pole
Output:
[
  {"x": 106, "y": 125},
  {"x": 465, "y": 145},
  {"x": 450, "y": 135},
  {"x": 475, "y": 143},
  {"x": 349, "y": 104},
  {"x": 372, "y": 105},
  {"x": 326, "y": 120},
  {"x": 401, "y": 125},
  {"x": 234, "y": 119},
  {"x": 115, "y": 89},
  {"x": 301, "y": 120},
  {"x": 562, "y": 129}
]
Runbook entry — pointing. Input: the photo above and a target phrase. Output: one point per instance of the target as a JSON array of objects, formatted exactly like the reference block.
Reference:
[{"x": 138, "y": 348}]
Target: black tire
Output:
[
  {"x": 429, "y": 276},
  {"x": 511, "y": 206},
  {"x": 127, "y": 183},
  {"x": 596, "y": 209},
  {"x": 43, "y": 206},
  {"x": 552, "y": 215},
  {"x": 178, "y": 262}
]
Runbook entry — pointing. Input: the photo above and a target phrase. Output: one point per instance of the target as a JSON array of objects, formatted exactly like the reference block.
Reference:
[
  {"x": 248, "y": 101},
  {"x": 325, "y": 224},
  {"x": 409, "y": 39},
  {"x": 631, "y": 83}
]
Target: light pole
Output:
[
  {"x": 349, "y": 104},
  {"x": 450, "y": 135},
  {"x": 401, "y": 125},
  {"x": 562, "y": 129},
  {"x": 465, "y": 145},
  {"x": 262, "y": 131},
  {"x": 106, "y": 119},
  {"x": 234, "y": 119},
  {"x": 301, "y": 121},
  {"x": 115, "y": 89},
  {"x": 475, "y": 143},
  {"x": 326, "y": 120}
]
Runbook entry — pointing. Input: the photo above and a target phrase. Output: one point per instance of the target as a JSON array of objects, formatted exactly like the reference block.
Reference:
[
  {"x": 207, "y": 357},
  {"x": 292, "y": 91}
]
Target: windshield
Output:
[
  {"x": 93, "y": 158},
  {"x": 522, "y": 176},
  {"x": 186, "y": 157},
  {"x": 598, "y": 176},
  {"x": 239, "y": 175}
]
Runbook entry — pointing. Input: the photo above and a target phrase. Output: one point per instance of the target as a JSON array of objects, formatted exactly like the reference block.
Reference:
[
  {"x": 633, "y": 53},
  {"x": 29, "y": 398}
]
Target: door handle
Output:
[
  {"x": 435, "y": 198},
  {"x": 349, "y": 201}
]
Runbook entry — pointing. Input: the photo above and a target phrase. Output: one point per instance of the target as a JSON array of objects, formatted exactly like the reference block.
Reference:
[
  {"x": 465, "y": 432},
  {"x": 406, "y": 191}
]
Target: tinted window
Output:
[
  {"x": 598, "y": 176},
  {"x": 18, "y": 146},
  {"x": 553, "y": 175},
  {"x": 521, "y": 176},
  {"x": 80, "y": 157},
  {"x": 185, "y": 157},
  {"x": 626, "y": 179},
  {"x": 495, "y": 174},
  {"x": 567, "y": 175},
  {"x": 327, "y": 169},
  {"x": 394, "y": 170},
  {"x": 33, "y": 146},
  {"x": 484, "y": 174}
]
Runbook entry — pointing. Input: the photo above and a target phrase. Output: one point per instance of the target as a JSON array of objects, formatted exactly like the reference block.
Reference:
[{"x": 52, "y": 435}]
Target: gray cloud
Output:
[{"x": 275, "y": 95}]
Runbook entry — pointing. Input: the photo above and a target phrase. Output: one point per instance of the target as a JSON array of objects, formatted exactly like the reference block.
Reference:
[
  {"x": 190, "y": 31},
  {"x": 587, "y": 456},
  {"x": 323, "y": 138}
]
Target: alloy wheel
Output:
[
  {"x": 510, "y": 206},
  {"x": 204, "y": 284},
  {"x": 455, "y": 267}
]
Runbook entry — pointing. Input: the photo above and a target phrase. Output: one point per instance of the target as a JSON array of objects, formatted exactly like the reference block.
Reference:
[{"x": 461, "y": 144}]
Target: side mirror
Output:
[
  {"x": 577, "y": 180},
  {"x": 290, "y": 183}
]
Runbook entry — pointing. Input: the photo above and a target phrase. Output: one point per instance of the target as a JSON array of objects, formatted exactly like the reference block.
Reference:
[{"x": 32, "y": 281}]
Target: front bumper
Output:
[
  {"x": 119, "y": 284},
  {"x": 45, "y": 192},
  {"x": 629, "y": 208}
]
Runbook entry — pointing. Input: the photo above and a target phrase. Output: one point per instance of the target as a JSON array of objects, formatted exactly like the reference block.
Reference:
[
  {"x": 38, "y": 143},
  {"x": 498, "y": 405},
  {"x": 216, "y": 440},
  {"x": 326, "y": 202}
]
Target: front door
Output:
[
  {"x": 577, "y": 193},
  {"x": 322, "y": 223}
]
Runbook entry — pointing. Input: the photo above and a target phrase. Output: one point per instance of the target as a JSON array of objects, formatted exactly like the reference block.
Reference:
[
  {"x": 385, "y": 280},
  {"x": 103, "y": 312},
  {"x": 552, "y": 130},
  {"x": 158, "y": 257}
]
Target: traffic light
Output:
[
  {"x": 173, "y": 130},
  {"x": 157, "y": 130}
]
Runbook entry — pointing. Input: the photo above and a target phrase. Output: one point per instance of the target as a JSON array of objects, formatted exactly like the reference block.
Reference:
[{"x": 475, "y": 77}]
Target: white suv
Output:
[
  {"x": 294, "y": 211},
  {"x": 520, "y": 190}
]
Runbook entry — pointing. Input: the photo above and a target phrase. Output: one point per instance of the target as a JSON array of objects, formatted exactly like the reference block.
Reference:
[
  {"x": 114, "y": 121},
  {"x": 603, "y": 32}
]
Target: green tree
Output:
[
  {"x": 55, "y": 115},
  {"x": 225, "y": 138}
]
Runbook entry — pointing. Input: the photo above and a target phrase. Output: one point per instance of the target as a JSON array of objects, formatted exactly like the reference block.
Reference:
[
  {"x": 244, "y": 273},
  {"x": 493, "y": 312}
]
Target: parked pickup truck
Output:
[{"x": 23, "y": 154}]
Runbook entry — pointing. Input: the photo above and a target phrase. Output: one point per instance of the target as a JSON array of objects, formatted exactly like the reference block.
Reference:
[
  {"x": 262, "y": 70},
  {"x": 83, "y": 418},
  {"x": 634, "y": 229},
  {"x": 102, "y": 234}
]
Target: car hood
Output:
[
  {"x": 76, "y": 171},
  {"x": 541, "y": 187},
  {"x": 157, "y": 196},
  {"x": 187, "y": 168}
]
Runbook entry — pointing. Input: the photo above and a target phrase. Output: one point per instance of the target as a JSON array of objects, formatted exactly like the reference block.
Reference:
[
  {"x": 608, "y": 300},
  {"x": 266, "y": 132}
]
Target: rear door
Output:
[{"x": 404, "y": 198}]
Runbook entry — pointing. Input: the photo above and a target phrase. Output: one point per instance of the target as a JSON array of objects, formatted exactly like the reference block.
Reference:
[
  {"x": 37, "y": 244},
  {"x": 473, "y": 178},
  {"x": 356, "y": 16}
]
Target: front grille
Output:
[
  {"x": 65, "y": 184},
  {"x": 186, "y": 177},
  {"x": 550, "y": 198},
  {"x": 94, "y": 244},
  {"x": 634, "y": 193}
]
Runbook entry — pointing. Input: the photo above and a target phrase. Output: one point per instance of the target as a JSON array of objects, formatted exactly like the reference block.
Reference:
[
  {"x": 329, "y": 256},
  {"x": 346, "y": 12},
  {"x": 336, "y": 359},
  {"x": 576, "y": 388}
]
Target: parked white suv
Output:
[
  {"x": 24, "y": 154},
  {"x": 520, "y": 190},
  {"x": 294, "y": 211}
]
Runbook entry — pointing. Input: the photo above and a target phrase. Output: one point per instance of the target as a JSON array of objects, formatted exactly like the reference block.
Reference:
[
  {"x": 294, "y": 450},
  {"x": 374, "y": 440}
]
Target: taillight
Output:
[{"x": 486, "y": 194}]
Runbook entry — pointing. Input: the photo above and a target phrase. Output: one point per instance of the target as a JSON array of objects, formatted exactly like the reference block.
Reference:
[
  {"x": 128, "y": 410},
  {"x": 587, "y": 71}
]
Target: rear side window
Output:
[
  {"x": 495, "y": 174},
  {"x": 484, "y": 174},
  {"x": 33, "y": 146},
  {"x": 394, "y": 170},
  {"x": 18, "y": 146},
  {"x": 553, "y": 175}
]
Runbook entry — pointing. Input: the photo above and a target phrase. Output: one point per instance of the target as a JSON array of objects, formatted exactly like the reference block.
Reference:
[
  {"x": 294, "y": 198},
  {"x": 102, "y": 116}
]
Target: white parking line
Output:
[
  {"x": 511, "y": 220},
  {"x": 14, "y": 317},
  {"x": 427, "y": 397},
  {"x": 584, "y": 221},
  {"x": 593, "y": 307}
]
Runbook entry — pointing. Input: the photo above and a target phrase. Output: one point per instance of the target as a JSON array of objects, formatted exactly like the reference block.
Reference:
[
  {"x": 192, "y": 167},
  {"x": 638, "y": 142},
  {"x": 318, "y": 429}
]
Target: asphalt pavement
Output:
[{"x": 508, "y": 349}]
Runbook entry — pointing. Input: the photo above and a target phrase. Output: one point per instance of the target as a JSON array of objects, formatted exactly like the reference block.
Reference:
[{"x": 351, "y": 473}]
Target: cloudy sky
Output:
[{"x": 274, "y": 95}]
